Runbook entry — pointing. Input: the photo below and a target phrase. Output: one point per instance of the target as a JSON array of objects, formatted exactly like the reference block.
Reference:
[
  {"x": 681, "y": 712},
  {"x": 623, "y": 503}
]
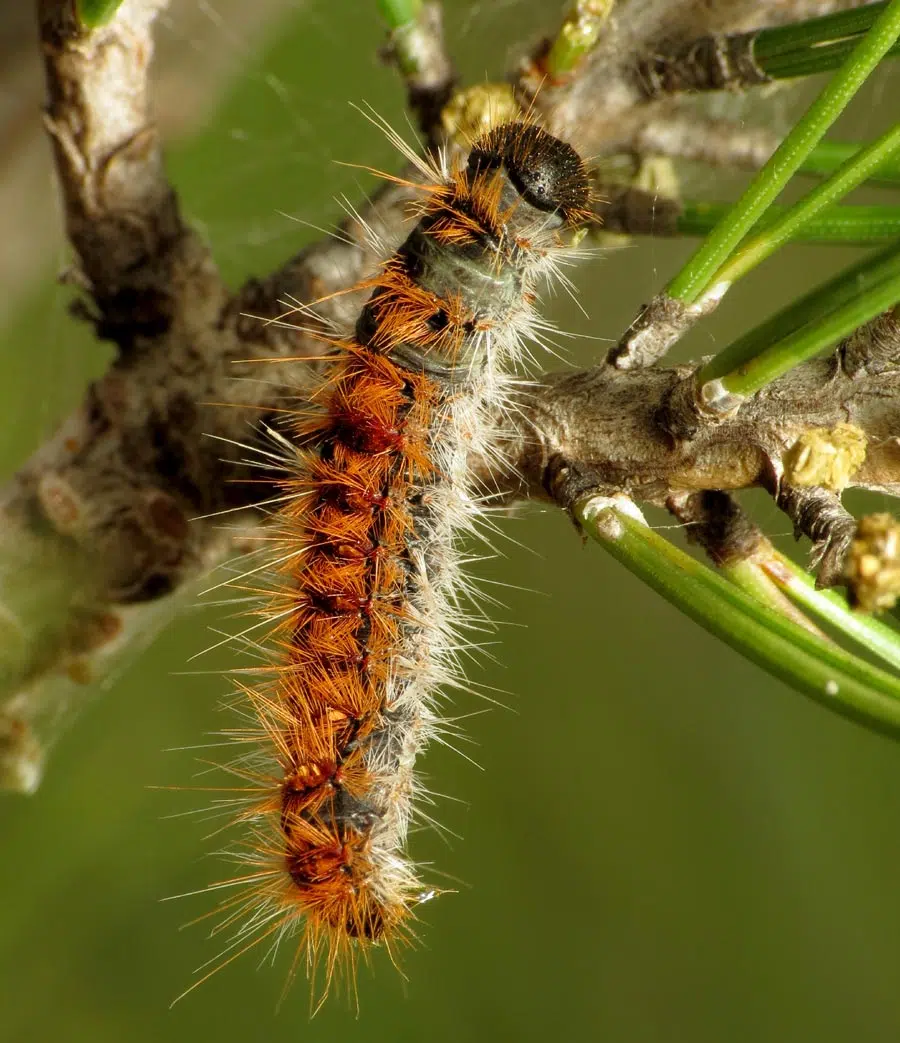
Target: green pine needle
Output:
[{"x": 813, "y": 665}]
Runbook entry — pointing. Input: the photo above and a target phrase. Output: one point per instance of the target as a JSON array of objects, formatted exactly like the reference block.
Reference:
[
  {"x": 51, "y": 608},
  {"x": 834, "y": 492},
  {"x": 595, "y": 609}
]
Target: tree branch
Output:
[
  {"x": 141, "y": 264},
  {"x": 602, "y": 427},
  {"x": 419, "y": 52}
]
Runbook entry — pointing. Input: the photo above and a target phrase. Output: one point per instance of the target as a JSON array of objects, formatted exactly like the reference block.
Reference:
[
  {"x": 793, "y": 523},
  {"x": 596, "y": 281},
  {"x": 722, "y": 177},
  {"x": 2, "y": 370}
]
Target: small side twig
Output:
[
  {"x": 419, "y": 52},
  {"x": 141, "y": 262},
  {"x": 711, "y": 63},
  {"x": 657, "y": 326}
]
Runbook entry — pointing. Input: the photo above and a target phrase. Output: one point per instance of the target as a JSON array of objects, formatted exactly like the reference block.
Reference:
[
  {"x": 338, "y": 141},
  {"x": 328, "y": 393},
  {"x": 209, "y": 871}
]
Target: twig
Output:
[
  {"x": 418, "y": 50},
  {"x": 604, "y": 108},
  {"x": 188, "y": 81},
  {"x": 710, "y": 63},
  {"x": 141, "y": 263},
  {"x": 601, "y": 427}
]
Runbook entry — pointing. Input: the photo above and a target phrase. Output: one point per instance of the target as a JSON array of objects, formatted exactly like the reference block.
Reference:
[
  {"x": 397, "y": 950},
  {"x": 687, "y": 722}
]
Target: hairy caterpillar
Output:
[{"x": 364, "y": 608}]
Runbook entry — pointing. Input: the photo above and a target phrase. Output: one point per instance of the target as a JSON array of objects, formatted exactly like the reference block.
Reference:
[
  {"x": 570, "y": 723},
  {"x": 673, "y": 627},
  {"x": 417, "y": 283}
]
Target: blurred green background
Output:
[{"x": 660, "y": 842}]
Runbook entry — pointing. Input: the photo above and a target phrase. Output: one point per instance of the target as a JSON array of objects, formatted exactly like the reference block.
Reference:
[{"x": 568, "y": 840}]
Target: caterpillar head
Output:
[{"x": 544, "y": 172}]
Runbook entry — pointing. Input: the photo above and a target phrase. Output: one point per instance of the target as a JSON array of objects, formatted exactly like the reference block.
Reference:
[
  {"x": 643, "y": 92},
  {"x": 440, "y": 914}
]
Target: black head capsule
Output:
[{"x": 546, "y": 172}]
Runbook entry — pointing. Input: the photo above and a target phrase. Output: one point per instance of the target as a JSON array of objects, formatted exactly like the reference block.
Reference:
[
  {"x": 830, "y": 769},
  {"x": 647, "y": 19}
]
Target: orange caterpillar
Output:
[{"x": 366, "y": 589}]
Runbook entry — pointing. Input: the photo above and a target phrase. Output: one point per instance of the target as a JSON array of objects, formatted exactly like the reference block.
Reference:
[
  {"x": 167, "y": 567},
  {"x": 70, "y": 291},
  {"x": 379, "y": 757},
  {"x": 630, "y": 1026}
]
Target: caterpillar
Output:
[{"x": 364, "y": 608}]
